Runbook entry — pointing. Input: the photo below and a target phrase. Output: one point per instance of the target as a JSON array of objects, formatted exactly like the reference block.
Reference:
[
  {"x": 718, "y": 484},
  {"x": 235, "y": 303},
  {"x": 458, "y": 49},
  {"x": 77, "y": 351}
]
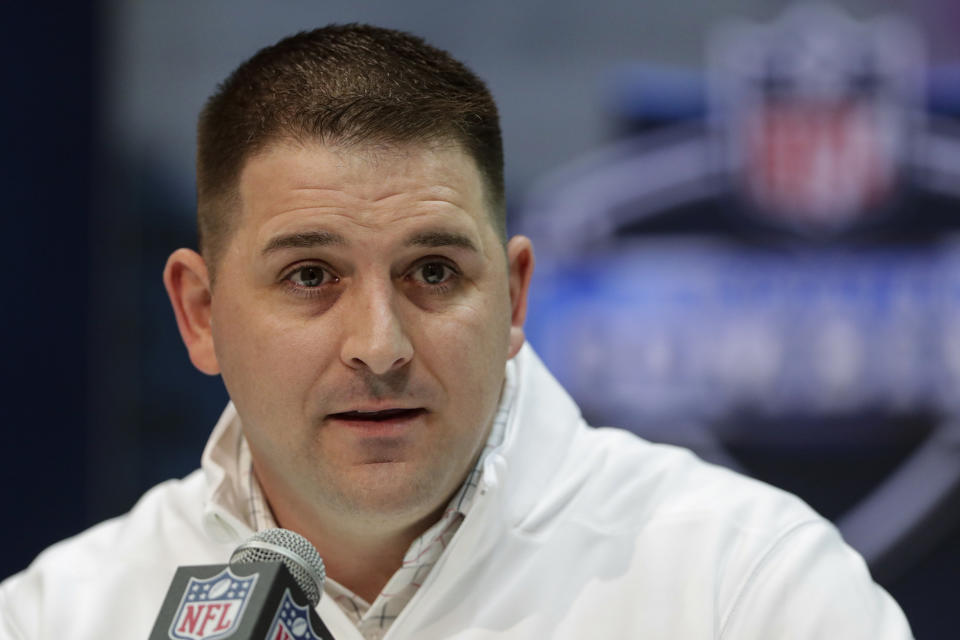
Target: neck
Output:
[
  {"x": 362, "y": 565},
  {"x": 359, "y": 554}
]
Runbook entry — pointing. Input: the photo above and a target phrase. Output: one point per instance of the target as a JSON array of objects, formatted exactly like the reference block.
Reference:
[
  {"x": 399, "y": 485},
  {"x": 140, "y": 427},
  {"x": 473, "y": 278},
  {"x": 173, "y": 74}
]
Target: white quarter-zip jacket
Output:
[{"x": 575, "y": 533}]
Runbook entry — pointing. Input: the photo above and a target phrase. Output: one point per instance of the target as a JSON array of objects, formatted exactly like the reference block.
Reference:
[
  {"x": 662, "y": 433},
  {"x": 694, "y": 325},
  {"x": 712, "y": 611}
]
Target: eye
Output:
[
  {"x": 434, "y": 273},
  {"x": 310, "y": 277}
]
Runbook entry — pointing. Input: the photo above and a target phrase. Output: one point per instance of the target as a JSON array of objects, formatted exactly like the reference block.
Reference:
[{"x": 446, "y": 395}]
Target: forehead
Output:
[{"x": 374, "y": 183}]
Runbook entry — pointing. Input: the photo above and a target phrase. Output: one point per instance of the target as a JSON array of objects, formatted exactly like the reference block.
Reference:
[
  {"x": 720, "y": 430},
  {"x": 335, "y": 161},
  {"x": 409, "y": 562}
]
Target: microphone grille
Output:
[{"x": 294, "y": 551}]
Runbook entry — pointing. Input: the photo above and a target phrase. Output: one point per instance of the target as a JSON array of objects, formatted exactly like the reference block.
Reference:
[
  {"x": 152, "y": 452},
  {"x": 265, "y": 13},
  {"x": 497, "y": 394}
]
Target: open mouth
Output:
[{"x": 385, "y": 415}]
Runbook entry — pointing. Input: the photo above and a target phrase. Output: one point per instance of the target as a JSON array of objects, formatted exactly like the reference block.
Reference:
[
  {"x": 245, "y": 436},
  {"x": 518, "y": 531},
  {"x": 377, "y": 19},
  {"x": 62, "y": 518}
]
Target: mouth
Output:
[{"x": 381, "y": 416}]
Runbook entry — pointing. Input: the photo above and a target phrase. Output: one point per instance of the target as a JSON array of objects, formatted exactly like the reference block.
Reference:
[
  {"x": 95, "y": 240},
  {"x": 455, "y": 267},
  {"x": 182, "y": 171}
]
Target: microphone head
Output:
[{"x": 294, "y": 551}]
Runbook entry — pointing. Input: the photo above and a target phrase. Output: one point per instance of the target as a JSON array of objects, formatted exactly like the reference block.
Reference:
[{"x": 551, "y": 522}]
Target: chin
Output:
[{"x": 385, "y": 492}]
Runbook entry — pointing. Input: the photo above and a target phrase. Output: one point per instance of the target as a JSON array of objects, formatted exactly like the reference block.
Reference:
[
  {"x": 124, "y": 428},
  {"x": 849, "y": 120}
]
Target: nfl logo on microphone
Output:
[
  {"x": 292, "y": 621},
  {"x": 211, "y": 608}
]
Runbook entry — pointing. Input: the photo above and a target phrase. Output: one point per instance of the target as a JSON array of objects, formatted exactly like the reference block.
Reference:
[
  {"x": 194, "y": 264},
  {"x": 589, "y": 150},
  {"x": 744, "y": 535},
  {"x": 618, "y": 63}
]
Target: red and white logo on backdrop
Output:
[
  {"x": 815, "y": 113},
  {"x": 817, "y": 165}
]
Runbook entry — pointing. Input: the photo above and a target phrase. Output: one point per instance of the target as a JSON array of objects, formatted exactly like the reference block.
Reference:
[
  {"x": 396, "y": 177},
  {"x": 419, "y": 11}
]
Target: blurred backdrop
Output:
[{"x": 745, "y": 216}]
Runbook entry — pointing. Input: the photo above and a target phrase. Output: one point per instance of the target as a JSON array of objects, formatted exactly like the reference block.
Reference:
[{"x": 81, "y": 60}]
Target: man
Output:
[{"x": 357, "y": 294}]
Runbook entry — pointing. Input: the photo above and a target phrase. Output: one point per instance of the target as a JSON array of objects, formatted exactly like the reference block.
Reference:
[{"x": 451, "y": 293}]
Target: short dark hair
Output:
[{"x": 341, "y": 84}]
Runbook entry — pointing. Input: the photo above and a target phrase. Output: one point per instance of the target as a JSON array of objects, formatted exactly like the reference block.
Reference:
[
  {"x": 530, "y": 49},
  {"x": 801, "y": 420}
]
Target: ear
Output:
[
  {"x": 520, "y": 269},
  {"x": 188, "y": 285}
]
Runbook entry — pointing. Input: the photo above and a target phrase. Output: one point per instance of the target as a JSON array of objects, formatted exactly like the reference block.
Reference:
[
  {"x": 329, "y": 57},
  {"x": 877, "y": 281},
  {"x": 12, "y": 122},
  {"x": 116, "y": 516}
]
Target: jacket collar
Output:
[
  {"x": 224, "y": 507},
  {"x": 539, "y": 439}
]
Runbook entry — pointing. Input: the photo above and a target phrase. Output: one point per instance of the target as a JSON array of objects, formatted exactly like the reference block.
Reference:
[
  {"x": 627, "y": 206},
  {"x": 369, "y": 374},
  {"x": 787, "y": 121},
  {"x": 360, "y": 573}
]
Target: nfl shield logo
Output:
[
  {"x": 212, "y": 607},
  {"x": 292, "y": 622},
  {"x": 817, "y": 112}
]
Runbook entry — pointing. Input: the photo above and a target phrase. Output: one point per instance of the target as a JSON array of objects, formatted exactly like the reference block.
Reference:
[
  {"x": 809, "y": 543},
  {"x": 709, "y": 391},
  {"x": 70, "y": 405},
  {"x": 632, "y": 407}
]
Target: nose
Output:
[{"x": 376, "y": 338}]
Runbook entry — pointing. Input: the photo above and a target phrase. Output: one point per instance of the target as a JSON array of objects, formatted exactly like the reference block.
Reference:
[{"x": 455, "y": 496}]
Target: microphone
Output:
[{"x": 268, "y": 591}]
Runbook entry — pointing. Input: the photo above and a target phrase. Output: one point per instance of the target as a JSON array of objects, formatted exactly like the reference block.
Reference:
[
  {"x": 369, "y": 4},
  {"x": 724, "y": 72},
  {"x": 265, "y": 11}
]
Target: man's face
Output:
[{"x": 361, "y": 318}]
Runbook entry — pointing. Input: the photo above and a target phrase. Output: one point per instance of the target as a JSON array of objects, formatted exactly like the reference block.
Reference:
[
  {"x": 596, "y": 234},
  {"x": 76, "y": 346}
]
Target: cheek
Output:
[
  {"x": 265, "y": 358},
  {"x": 468, "y": 345}
]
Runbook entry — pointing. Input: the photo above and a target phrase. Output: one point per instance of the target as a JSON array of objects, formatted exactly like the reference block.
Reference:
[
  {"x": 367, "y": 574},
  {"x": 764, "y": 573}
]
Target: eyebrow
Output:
[
  {"x": 434, "y": 239},
  {"x": 303, "y": 240},
  {"x": 308, "y": 239}
]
